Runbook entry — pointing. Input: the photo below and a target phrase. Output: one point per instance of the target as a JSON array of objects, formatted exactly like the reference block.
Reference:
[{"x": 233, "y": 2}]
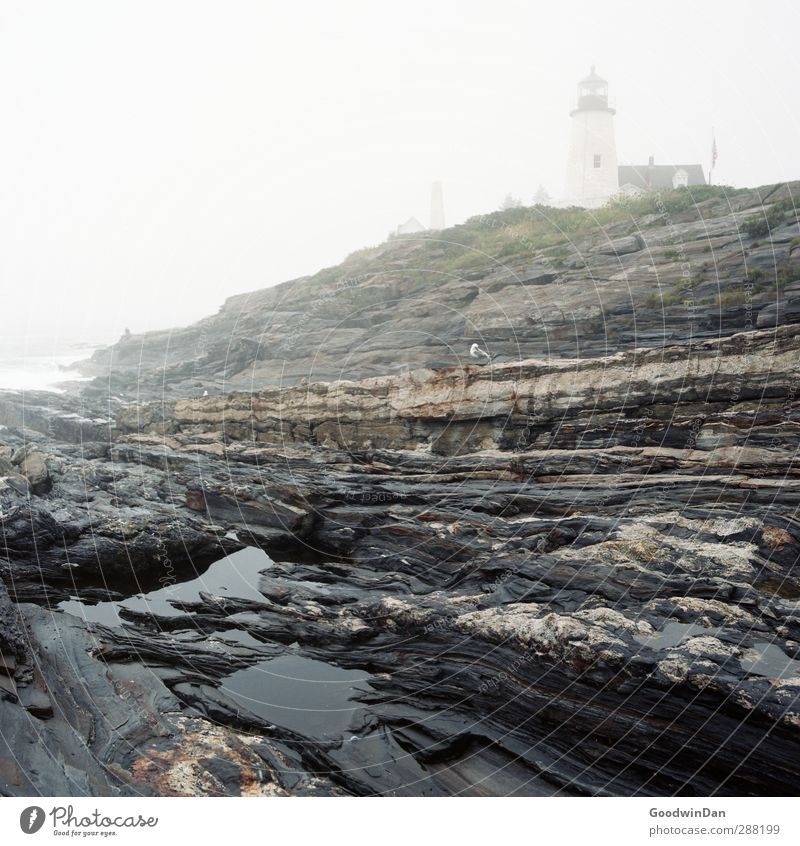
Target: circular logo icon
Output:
[{"x": 31, "y": 819}]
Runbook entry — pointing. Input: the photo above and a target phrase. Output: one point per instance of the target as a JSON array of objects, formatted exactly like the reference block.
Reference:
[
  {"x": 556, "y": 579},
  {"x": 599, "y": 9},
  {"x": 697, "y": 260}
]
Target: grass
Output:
[
  {"x": 734, "y": 297},
  {"x": 536, "y": 232},
  {"x": 670, "y": 298},
  {"x": 689, "y": 284}
]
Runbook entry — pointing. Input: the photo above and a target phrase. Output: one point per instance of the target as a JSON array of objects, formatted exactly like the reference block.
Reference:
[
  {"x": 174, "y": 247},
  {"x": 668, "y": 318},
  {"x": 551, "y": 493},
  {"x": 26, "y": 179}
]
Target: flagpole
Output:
[{"x": 711, "y": 168}]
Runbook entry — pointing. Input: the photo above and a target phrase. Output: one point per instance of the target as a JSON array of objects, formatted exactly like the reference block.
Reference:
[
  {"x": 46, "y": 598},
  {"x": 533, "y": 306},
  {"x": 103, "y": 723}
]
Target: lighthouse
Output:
[{"x": 592, "y": 175}]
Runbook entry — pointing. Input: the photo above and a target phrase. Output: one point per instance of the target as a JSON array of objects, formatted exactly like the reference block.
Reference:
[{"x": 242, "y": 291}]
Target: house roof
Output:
[
  {"x": 410, "y": 226},
  {"x": 653, "y": 177}
]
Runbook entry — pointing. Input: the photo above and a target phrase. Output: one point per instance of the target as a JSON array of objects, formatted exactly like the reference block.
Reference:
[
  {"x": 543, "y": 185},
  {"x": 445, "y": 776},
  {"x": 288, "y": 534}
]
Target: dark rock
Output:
[
  {"x": 576, "y": 574},
  {"x": 36, "y": 702},
  {"x": 776, "y": 314},
  {"x": 8, "y": 664},
  {"x": 12, "y": 642}
]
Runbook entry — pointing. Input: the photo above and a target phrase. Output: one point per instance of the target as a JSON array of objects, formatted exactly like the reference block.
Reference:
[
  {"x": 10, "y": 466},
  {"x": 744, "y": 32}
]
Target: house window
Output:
[{"x": 597, "y": 160}]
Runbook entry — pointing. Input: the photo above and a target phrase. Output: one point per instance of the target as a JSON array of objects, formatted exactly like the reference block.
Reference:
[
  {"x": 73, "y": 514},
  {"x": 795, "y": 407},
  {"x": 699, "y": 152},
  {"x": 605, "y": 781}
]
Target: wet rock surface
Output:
[{"x": 527, "y": 579}]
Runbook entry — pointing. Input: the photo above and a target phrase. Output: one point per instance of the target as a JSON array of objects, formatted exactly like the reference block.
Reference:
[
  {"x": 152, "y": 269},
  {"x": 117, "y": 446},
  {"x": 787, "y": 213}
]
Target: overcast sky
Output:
[{"x": 156, "y": 157}]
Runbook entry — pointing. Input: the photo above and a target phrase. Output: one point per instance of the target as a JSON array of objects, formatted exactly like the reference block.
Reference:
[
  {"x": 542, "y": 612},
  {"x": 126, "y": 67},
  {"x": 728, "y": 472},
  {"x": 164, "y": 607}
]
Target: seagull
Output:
[{"x": 476, "y": 352}]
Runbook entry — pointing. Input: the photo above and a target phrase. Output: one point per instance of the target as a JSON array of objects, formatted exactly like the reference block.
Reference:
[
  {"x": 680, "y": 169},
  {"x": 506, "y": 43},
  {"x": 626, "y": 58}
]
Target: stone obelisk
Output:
[{"x": 437, "y": 206}]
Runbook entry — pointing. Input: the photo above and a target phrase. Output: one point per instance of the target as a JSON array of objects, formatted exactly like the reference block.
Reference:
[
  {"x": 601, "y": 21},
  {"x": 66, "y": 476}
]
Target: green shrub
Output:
[
  {"x": 759, "y": 225},
  {"x": 732, "y": 298},
  {"x": 521, "y": 233},
  {"x": 689, "y": 284},
  {"x": 755, "y": 227},
  {"x": 658, "y": 300}
]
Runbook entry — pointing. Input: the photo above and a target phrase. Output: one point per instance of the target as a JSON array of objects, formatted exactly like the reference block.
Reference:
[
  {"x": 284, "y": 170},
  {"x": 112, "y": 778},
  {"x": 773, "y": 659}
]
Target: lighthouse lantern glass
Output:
[{"x": 593, "y": 89}]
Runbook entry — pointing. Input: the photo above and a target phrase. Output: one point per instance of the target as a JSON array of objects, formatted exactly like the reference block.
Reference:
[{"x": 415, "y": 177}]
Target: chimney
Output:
[{"x": 651, "y": 161}]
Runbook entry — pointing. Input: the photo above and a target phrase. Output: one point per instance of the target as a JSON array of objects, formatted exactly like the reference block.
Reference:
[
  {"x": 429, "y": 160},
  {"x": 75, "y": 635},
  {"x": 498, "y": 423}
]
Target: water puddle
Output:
[
  {"x": 762, "y": 659},
  {"x": 302, "y": 694},
  {"x": 298, "y": 693},
  {"x": 236, "y": 575},
  {"x": 673, "y": 634},
  {"x": 768, "y": 659},
  {"x": 238, "y": 637}
]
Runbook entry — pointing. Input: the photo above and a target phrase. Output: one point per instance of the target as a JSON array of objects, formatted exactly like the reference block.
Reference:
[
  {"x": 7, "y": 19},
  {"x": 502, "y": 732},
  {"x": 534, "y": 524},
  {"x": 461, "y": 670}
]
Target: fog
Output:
[{"x": 158, "y": 157}]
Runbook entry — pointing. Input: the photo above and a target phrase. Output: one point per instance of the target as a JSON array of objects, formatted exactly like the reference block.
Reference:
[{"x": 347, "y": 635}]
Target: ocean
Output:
[{"x": 41, "y": 364}]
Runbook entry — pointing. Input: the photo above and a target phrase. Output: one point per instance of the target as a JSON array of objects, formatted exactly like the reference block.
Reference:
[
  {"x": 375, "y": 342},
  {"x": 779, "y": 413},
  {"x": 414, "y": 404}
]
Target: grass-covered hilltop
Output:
[{"x": 529, "y": 282}]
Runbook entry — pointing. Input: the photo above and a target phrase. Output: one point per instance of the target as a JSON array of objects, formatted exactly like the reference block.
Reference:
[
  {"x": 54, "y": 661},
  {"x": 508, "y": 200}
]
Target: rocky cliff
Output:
[
  {"x": 554, "y": 574},
  {"x": 706, "y": 394},
  {"x": 526, "y": 283}
]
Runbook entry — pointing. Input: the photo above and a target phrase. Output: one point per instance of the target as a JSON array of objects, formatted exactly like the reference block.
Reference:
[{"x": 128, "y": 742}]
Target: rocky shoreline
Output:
[
  {"x": 306, "y": 547},
  {"x": 554, "y": 577}
]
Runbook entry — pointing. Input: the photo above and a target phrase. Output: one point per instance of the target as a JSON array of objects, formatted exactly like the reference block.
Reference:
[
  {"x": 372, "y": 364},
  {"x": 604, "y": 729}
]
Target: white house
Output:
[
  {"x": 640, "y": 179},
  {"x": 410, "y": 227},
  {"x": 593, "y": 176}
]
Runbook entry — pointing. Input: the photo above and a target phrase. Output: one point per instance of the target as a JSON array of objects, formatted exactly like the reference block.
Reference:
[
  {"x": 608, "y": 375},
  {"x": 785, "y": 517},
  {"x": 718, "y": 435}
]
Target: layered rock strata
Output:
[{"x": 556, "y": 577}]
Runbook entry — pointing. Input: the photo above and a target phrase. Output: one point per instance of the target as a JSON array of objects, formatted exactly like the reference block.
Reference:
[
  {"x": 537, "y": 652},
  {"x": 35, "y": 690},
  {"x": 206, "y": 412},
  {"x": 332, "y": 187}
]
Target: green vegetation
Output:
[
  {"x": 759, "y": 225},
  {"x": 783, "y": 276},
  {"x": 689, "y": 284},
  {"x": 756, "y": 226},
  {"x": 520, "y": 233},
  {"x": 670, "y": 298},
  {"x": 524, "y": 231},
  {"x": 733, "y": 297}
]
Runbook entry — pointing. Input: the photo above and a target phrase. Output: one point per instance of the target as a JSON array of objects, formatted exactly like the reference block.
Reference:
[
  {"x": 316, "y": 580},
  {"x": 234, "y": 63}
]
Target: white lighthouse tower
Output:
[{"x": 592, "y": 175}]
